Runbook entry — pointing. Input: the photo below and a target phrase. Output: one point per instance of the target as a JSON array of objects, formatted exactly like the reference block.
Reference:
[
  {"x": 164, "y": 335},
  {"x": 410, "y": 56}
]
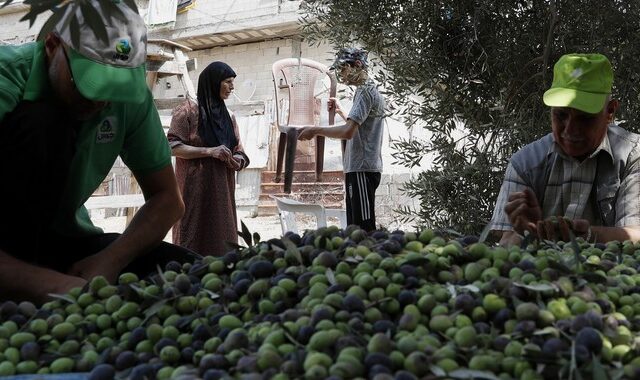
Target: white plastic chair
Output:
[
  {"x": 288, "y": 207},
  {"x": 296, "y": 81}
]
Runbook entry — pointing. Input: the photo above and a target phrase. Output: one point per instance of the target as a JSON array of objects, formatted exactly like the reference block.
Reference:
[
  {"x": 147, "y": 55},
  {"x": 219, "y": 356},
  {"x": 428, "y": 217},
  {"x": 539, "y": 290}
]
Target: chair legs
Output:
[
  {"x": 319, "y": 157},
  {"x": 282, "y": 142},
  {"x": 290, "y": 156},
  {"x": 287, "y": 143}
]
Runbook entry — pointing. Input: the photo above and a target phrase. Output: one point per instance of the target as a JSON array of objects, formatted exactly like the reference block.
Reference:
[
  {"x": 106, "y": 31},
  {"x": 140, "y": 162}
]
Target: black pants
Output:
[
  {"x": 37, "y": 144},
  {"x": 360, "y": 198}
]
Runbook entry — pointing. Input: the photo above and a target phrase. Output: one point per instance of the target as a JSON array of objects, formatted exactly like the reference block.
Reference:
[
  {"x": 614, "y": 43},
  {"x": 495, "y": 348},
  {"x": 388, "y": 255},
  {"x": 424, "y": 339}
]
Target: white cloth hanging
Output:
[{"x": 162, "y": 13}]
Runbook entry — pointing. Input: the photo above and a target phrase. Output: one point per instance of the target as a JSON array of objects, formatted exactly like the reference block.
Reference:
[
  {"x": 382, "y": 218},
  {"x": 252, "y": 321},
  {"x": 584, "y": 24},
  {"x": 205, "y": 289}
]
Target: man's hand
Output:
[
  {"x": 23, "y": 281},
  {"x": 558, "y": 228},
  {"x": 307, "y": 133},
  {"x": 524, "y": 211},
  {"x": 334, "y": 103},
  {"x": 63, "y": 284},
  {"x": 96, "y": 265},
  {"x": 221, "y": 152}
]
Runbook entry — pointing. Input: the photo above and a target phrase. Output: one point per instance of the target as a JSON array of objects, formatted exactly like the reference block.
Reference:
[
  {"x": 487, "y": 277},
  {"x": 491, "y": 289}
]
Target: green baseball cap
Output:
[
  {"x": 111, "y": 70},
  {"x": 580, "y": 81}
]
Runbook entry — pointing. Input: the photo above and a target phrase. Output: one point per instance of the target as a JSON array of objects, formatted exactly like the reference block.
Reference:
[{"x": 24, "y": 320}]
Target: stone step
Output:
[
  {"x": 324, "y": 198},
  {"x": 302, "y": 187},
  {"x": 305, "y": 176},
  {"x": 328, "y": 192}
]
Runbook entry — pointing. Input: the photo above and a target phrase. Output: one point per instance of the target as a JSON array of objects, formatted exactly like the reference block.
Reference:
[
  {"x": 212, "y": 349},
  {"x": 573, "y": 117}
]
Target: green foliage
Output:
[
  {"x": 89, "y": 12},
  {"x": 473, "y": 73}
]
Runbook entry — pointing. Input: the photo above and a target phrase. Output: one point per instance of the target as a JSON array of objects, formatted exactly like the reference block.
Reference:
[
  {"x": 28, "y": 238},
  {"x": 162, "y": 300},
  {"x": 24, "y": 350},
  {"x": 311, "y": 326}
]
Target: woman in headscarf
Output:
[{"x": 204, "y": 138}]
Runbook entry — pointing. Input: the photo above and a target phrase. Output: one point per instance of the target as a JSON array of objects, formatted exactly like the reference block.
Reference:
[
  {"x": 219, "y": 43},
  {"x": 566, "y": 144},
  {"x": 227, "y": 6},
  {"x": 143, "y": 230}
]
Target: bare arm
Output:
[
  {"x": 23, "y": 281},
  {"x": 221, "y": 152},
  {"x": 162, "y": 209},
  {"x": 604, "y": 234},
  {"x": 183, "y": 125},
  {"x": 597, "y": 234},
  {"x": 189, "y": 152},
  {"x": 344, "y": 131}
]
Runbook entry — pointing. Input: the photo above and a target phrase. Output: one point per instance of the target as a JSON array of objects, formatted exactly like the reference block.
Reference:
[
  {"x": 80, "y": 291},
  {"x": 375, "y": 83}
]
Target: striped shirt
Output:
[{"x": 568, "y": 191}]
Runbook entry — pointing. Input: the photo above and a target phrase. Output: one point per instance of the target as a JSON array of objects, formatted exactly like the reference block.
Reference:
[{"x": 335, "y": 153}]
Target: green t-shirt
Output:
[{"x": 132, "y": 131}]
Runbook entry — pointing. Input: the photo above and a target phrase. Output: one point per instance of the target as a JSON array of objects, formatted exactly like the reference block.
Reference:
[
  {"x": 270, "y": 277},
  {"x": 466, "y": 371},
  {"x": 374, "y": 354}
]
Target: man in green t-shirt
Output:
[{"x": 70, "y": 104}]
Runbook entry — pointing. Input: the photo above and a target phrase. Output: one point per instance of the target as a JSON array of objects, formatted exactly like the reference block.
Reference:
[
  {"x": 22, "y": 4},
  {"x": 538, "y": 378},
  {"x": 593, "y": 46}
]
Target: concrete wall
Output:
[
  {"x": 209, "y": 17},
  {"x": 230, "y": 12}
]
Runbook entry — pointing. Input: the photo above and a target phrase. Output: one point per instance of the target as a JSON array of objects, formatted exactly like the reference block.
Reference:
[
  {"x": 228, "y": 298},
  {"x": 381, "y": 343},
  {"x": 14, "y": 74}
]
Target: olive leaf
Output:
[
  {"x": 154, "y": 309},
  {"x": 36, "y": 7},
  {"x": 472, "y": 374},
  {"x": 598, "y": 371},
  {"x": 576, "y": 250},
  {"x": 256, "y": 238},
  {"x": 330, "y": 276},
  {"x": 93, "y": 18},
  {"x": 161, "y": 274},
  {"x": 537, "y": 287},
  {"x": 437, "y": 370},
  {"x": 292, "y": 250},
  {"x": 245, "y": 234},
  {"x": 211, "y": 294},
  {"x": 51, "y": 22},
  {"x": 62, "y": 297},
  {"x": 91, "y": 15}
]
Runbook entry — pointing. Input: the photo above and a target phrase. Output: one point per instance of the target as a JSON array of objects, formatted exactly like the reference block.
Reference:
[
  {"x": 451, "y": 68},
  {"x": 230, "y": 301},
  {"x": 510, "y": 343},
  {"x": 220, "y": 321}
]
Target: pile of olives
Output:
[{"x": 346, "y": 304}]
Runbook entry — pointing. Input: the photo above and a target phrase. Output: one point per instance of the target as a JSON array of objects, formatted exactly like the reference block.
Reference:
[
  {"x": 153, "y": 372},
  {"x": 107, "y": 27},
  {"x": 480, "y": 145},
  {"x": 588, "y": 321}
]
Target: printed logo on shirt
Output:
[{"x": 106, "y": 131}]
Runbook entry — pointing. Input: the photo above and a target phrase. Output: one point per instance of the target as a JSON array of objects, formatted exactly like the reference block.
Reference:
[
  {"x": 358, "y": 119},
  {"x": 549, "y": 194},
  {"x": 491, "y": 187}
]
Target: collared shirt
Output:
[
  {"x": 568, "y": 191},
  {"x": 131, "y": 131}
]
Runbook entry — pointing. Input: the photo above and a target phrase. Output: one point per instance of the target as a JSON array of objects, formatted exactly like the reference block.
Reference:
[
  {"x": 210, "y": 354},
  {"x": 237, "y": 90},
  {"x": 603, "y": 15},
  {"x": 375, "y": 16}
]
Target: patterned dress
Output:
[{"x": 208, "y": 190}]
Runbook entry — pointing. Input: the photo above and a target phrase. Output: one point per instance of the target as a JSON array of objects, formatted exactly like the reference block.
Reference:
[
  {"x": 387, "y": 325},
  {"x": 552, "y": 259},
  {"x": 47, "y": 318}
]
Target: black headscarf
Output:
[{"x": 215, "y": 126}]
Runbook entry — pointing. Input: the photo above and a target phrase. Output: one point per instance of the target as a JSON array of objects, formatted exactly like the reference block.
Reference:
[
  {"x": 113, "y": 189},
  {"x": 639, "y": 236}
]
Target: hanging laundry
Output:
[{"x": 162, "y": 13}]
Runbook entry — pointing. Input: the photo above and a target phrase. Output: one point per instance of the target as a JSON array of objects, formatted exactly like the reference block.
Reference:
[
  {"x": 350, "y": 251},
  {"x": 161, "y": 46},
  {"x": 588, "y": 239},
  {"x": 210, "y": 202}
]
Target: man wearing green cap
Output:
[
  {"x": 70, "y": 104},
  {"x": 585, "y": 175}
]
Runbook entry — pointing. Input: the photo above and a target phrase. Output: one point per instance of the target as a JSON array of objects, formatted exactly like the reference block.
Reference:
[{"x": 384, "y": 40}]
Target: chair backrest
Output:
[
  {"x": 298, "y": 78},
  {"x": 288, "y": 207}
]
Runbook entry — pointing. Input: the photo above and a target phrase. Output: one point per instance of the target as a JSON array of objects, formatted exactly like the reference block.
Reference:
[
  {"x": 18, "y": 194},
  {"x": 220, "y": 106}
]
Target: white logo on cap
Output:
[{"x": 576, "y": 73}]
